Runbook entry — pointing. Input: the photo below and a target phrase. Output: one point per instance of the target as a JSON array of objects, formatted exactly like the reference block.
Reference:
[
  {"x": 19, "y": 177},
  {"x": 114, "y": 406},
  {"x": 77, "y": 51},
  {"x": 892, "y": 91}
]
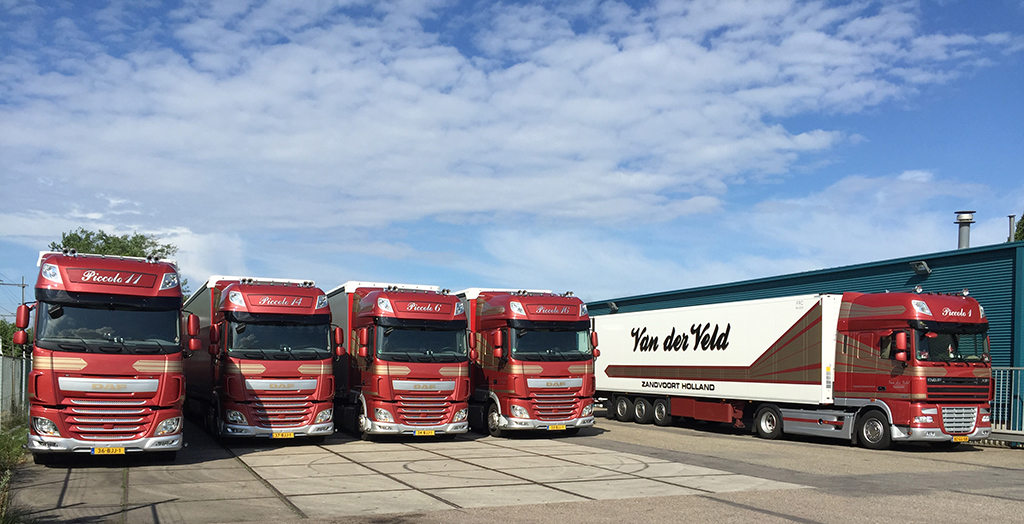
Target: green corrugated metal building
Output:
[{"x": 993, "y": 274}]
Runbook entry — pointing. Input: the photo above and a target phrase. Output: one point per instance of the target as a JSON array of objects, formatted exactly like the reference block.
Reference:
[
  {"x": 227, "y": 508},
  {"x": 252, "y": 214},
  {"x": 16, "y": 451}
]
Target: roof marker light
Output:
[{"x": 918, "y": 289}]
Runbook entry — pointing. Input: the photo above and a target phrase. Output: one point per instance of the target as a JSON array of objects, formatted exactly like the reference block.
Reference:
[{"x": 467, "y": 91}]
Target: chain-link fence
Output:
[{"x": 14, "y": 389}]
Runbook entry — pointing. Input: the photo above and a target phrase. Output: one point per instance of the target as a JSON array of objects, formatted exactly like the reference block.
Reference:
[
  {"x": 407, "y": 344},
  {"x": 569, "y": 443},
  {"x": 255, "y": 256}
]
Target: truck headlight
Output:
[
  {"x": 168, "y": 427},
  {"x": 519, "y": 412},
  {"x": 382, "y": 415},
  {"x": 588, "y": 410},
  {"x": 927, "y": 419},
  {"x": 460, "y": 415},
  {"x": 45, "y": 426},
  {"x": 986, "y": 418},
  {"x": 324, "y": 416},
  {"x": 235, "y": 417}
]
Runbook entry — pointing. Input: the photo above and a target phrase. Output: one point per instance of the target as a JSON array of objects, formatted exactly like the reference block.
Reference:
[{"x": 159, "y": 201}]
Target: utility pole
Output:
[{"x": 22, "y": 286}]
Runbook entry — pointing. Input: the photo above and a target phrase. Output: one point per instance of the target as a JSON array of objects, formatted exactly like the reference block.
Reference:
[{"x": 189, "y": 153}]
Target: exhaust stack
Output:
[{"x": 964, "y": 219}]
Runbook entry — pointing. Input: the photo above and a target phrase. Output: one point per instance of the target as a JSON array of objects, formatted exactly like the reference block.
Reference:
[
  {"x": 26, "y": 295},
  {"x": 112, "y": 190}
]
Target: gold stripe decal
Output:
[
  {"x": 58, "y": 363},
  {"x": 157, "y": 366},
  {"x": 453, "y": 371},
  {"x": 245, "y": 369},
  {"x": 582, "y": 369},
  {"x": 313, "y": 369}
]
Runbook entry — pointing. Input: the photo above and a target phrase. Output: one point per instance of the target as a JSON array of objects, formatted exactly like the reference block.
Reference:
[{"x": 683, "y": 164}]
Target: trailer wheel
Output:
[
  {"x": 662, "y": 412},
  {"x": 493, "y": 420},
  {"x": 623, "y": 409},
  {"x": 873, "y": 431},
  {"x": 643, "y": 411},
  {"x": 768, "y": 423}
]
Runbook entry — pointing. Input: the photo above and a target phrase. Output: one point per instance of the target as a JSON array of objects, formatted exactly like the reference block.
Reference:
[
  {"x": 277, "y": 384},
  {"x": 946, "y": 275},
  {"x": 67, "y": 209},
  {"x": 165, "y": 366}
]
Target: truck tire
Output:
[
  {"x": 643, "y": 411},
  {"x": 493, "y": 418},
  {"x": 623, "y": 409},
  {"x": 609, "y": 408},
  {"x": 662, "y": 412},
  {"x": 768, "y": 423},
  {"x": 873, "y": 431}
]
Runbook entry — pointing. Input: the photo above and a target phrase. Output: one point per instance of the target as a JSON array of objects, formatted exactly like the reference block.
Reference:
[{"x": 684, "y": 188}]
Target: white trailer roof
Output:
[
  {"x": 473, "y": 292},
  {"x": 354, "y": 284}
]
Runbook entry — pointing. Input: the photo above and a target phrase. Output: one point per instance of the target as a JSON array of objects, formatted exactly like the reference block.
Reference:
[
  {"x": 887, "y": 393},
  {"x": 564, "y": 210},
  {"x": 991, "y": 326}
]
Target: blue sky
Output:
[{"x": 609, "y": 148}]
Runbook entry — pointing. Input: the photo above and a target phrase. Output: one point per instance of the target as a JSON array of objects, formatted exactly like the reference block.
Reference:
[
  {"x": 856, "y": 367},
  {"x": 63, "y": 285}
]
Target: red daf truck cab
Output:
[
  {"x": 406, "y": 367},
  {"x": 922, "y": 360},
  {"x": 106, "y": 359},
  {"x": 265, "y": 369},
  {"x": 535, "y": 367}
]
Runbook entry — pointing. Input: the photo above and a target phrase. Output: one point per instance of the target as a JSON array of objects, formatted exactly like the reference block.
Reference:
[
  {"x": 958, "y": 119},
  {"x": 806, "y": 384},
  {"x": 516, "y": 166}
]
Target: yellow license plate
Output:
[
  {"x": 282, "y": 435},
  {"x": 108, "y": 451},
  {"x": 424, "y": 433},
  {"x": 960, "y": 439},
  {"x": 554, "y": 427}
]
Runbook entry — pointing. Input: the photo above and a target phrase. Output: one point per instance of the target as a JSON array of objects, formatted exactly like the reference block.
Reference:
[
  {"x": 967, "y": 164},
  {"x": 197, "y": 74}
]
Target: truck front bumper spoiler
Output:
[
  {"x": 44, "y": 444},
  {"x": 313, "y": 430},
  {"x": 531, "y": 424},
  {"x": 907, "y": 434},
  {"x": 391, "y": 428}
]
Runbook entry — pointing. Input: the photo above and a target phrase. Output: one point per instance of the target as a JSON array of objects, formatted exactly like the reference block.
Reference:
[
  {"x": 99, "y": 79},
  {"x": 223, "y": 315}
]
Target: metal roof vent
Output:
[{"x": 964, "y": 219}]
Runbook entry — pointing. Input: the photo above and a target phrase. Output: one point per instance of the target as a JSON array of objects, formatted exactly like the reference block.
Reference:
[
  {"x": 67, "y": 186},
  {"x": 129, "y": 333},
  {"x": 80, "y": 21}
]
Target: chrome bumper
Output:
[
  {"x": 314, "y": 430},
  {"x": 907, "y": 434},
  {"x": 529, "y": 423},
  {"x": 391, "y": 428},
  {"x": 42, "y": 444}
]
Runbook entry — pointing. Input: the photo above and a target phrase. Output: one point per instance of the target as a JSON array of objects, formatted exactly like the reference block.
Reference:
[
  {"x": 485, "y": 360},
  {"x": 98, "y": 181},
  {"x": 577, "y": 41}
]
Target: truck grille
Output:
[
  {"x": 957, "y": 388},
  {"x": 104, "y": 423},
  {"x": 959, "y": 420},
  {"x": 281, "y": 412},
  {"x": 554, "y": 406},
  {"x": 423, "y": 410}
]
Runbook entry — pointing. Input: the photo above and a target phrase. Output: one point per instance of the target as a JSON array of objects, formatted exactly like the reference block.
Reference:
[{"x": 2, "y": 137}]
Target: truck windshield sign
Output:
[
  {"x": 111, "y": 278},
  {"x": 279, "y": 301},
  {"x": 543, "y": 309},
  {"x": 425, "y": 307}
]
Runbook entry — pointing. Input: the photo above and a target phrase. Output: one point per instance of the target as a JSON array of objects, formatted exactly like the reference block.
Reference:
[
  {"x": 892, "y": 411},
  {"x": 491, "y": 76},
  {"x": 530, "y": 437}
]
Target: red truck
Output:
[
  {"x": 870, "y": 368},
  {"x": 106, "y": 360},
  {"x": 535, "y": 367},
  {"x": 406, "y": 371},
  {"x": 267, "y": 370}
]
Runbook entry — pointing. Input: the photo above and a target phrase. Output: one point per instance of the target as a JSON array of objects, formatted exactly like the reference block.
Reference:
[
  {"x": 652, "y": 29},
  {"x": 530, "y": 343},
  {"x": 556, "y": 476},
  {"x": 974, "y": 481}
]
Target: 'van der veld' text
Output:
[{"x": 704, "y": 339}]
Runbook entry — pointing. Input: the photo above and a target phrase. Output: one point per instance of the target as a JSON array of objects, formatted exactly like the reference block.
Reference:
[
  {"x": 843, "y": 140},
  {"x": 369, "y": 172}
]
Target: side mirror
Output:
[
  {"x": 213, "y": 349},
  {"x": 21, "y": 318},
  {"x": 473, "y": 355},
  {"x": 593, "y": 339},
  {"x": 364, "y": 338},
  {"x": 498, "y": 353},
  {"x": 20, "y": 337},
  {"x": 901, "y": 341},
  {"x": 215, "y": 333},
  {"x": 901, "y": 356},
  {"x": 597, "y": 352},
  {"x": 363, "y": 351},
  {"x": 339, "y": 342},
  {"x": 194, "y": 344},
  {"x": 472, "y": 339},
  {"x": 192, "y": 325},
  {"x": 497, "y": 339}
]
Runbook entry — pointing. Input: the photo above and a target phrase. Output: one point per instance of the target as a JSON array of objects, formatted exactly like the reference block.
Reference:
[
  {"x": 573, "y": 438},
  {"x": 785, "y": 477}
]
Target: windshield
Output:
[
  {"x": 951, "y": 347},
  {"x": 279, "y": 341},
  {"x": 421, "y": 344},
  {"x": 548, "y": 344},
  {"x": 106, "y": 329}
]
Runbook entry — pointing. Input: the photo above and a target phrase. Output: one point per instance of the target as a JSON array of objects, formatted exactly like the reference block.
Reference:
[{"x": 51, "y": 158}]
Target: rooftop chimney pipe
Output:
[{"x": 964, "y": 219}]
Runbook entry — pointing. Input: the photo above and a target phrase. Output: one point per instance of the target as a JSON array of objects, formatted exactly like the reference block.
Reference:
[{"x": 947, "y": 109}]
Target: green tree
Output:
[
  {"x": 102, "y": 243},
  {"x": 1019, "y": 233},
  {"x": 7, "y": 330}
]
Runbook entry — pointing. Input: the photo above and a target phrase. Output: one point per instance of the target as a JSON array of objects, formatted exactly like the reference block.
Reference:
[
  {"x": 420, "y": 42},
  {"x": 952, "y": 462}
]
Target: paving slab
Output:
[
  {"x": 199, "y": 491},
  {"x": 514, "y": 495},
  {"x": 422, "y": 466},
  {"x": 192, "y": 475},
  {"x": 727, "y": 483},
  {"x": 561, "y": 472},
  {"x": 80, "y": 513},
  {"x": 610, "y": 459},
  {"x": 300, "y": 459},
  {"x": 454, "y": 479},
  {"x": 341, "y": 504},
  {"x": 664, "y": 469},
  {"x": 529, "y": 461},
  {"x": 194, "y": 512},
  {"x": 624, "y": 488},
  {"x": 302, "y": 485},
  {"x": 389, "y": 455},
  {"x": 332, "y": 469}
]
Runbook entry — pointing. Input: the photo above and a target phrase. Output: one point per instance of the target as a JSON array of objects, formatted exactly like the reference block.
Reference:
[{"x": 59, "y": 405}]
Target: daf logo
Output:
[
  {"x": 424, "y": 386},
  {"x": 282, "y": 385},
  {"x": 556, "y": 384},
  {"x": 114, "y": 387}
]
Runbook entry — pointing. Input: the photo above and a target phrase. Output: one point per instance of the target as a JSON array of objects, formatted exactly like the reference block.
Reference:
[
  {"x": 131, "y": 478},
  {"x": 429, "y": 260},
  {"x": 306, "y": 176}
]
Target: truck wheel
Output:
[
  {"x": 213, "y": 420},
  {"x": 609, "y": 408},
  {"x": 643, "y": 411},
  {"x": 493, "y": 419},
  {"x": 623, "y": 409},
  {"x": 873, "y": 431},
  {"x": 662, "y": 412},
  {"x": 768, "y": 423},
  {"x": 363, "y": 434}
]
